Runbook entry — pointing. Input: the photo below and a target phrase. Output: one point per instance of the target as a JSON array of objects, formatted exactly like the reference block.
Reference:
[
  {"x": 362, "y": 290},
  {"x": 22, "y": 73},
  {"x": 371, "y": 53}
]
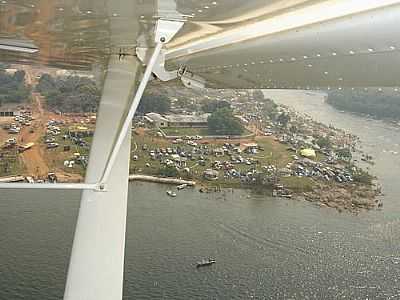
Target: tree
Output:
[
  {"x": 154, "y": 103},
  {"x": 283, "y": 119},
  {"x": 169, "y": 171},
  {"x": 3, "y": 66},
  {"x": 381, "y": 103},
  {"x": 258, "y": 95},
  {"x": 19, "y": 76},
  {"x": 293, "y": 129},
  {"x": 213, "y": 105},
  {"x": 323, "y": 142},
  {"x": 13, "y": 88},
  {"x": 71, "y": 94},
  {"x": 223, "y": 122},
  {"x": 344, "y": 154},
  {"x": 363, "y": 177}
]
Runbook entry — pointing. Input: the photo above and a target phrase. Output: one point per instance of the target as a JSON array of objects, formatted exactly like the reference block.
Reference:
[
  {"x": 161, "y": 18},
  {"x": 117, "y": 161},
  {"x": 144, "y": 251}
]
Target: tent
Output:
[{"x": 309, "y": 153}]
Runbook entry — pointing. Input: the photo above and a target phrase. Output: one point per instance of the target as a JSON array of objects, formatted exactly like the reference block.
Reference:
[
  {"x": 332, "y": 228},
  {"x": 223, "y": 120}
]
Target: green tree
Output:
[
  {"x": 13, "y": 88},
  {"x": 344, "y": 154},
  {"x": 19, "y": 76},
  {"x": 169, "y": 171},
  {"x": 258, "y": 95},
  {"x": 323, "y": 142},
  {"x": 213, "y": 105},
  {"x": 283, "y": 119},
  {"x": 223, "y": 122},
  {"x": 363, "y": 177},
  {"x": 154, "y": 103},
  {"x": 381, "y": 103},
  {"x": 71, "y": 94},
  {"x": 294, "y": 129}
]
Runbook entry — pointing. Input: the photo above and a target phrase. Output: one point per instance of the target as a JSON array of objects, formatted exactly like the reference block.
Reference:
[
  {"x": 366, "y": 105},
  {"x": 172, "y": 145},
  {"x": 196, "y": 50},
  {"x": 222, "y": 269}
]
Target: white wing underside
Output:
[{"x": 253, "y": 44}]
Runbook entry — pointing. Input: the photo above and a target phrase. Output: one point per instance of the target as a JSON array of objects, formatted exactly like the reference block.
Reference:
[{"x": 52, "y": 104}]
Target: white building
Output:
[{"x": 163, "y": 121}]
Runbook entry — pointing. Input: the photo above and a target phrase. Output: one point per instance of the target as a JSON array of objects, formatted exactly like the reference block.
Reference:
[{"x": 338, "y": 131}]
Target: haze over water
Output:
[{"x": 265, "y": 248}]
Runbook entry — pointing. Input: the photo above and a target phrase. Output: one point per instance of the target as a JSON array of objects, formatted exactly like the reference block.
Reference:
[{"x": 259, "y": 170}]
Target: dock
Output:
[
  {"x": 174, "y": 181},
  {"x": 12, "y": 179}
]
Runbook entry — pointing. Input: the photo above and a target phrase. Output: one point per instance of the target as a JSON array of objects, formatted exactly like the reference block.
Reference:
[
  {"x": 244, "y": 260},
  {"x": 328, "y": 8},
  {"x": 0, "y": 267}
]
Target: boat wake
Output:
[{"x": 264, "y": 243}]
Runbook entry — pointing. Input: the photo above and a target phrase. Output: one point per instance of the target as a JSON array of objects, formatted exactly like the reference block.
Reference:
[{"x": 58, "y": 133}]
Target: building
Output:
[
  {"x": 163, "y": 121},
  {"x": 10, "y": 71},
  {"x": 156, "y": 120},
  {"x": 251, "y": 148},
  {"x": 187, "y": 120},
  {"x": 80, "y": 131},
  {"x": 9, "y": 110},
  {"x": 67, "y": 73}
]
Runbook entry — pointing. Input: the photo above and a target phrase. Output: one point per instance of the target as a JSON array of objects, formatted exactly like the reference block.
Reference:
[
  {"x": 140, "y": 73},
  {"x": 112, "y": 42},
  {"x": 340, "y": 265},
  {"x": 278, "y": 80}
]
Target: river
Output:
[{"x": 265, "y": 248}]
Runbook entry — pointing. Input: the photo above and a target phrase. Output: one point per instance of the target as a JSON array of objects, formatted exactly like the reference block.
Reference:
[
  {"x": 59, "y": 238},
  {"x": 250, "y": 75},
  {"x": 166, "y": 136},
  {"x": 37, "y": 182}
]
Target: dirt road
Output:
[
  {"x": 37, "y": 160},
  {"x": 33, "y": 159}
]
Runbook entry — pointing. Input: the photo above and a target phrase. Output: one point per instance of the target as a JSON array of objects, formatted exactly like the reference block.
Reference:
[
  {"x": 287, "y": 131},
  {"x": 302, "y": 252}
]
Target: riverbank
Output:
[
  {"x": 378, "y": 103},
  {"x": 154, "y": 179}
]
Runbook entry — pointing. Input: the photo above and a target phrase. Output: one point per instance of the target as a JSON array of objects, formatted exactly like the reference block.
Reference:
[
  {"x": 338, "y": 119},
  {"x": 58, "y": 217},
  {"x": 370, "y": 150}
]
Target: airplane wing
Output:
[
  {"x": 306, "y": 44},
  {"x": 312, "y": 45},
  {"x": 229, "y": 43}
]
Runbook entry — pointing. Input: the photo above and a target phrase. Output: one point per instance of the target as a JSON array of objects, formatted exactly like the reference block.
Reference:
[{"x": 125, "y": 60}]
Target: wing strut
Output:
[
  {"x": 128, "y": 120},
  {"x": 97, "y": 258}
]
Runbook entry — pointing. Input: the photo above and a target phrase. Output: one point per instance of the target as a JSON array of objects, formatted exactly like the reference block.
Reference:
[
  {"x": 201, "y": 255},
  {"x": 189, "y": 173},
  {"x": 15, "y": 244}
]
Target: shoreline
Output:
[
  {"x": 351, "y": 198},
  {"x": 162, "y": 180}
]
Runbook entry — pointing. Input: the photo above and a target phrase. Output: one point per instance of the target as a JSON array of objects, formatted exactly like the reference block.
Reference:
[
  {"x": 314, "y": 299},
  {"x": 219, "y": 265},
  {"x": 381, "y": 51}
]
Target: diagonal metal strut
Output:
[{"x": 125, "y": 129}]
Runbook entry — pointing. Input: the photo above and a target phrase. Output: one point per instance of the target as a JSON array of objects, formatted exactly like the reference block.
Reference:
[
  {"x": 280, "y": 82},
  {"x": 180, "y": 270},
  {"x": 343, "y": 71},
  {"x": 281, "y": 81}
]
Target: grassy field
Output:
[
  {"x": 273, "y": 153},
  {"x": 10, "y": 164},
  {"x": 298, "y": 184},
  {"x": 57, "y": 156},
  {"x": 176, "y": 131}
]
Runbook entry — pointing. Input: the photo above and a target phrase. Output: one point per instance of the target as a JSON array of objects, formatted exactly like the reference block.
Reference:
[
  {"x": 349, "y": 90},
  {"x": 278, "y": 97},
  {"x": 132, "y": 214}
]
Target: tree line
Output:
[
  {"x": 80, "y": 94},
  {"x": 380, "y": 103},
  {"x": 12, "y": 87},
  {"x": 71, "y": 94}
]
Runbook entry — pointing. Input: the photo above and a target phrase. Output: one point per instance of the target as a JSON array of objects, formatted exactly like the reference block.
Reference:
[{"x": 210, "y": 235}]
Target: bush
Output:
[
  {"x": 223, "y": 122},
  {"x": 169, "y": 171}
]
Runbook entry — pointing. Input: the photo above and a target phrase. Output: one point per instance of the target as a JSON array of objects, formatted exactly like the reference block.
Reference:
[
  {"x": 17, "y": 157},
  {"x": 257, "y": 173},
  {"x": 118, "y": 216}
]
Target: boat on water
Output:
[
  {"x": 171, "y": 193},
  {"x": 205, "y": 262},
  {"x": 182, "y": 186}
]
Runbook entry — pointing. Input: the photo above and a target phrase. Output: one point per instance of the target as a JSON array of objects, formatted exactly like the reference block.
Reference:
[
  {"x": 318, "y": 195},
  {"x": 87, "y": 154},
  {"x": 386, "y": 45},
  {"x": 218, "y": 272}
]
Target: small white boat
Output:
[
  {"x": 205, "y": 262},
  {"x": 182, "y": 186},
  {"x": 171, "y": 193}
]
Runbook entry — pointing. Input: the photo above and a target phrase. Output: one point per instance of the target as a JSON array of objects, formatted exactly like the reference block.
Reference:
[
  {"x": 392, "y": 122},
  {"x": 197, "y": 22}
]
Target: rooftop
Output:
[
  {"x": 187, "y": 118},
  {"x": 178, "y": 118}
]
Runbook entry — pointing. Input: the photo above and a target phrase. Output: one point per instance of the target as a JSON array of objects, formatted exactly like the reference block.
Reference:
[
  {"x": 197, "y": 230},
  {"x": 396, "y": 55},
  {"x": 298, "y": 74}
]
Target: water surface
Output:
[{"x": 265, "y": 248}]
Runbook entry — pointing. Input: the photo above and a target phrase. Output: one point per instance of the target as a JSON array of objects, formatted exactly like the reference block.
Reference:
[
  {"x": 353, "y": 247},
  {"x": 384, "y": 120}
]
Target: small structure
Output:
[
  {"x": 242, "y": 119},
  {"x": 251, "y": 148},
  {"x": 80, "y": 131},
  {"x": 156, "y": 120},
  {"x": 308, "y": 153},
  {"x": 187, "y": 120},
  {"x": 9, "y": 110},
  {"x": 25, "y": 147},
  {"x": 219, "y": 152},
  {"x": 183, "y": 121},
  {"x": 210, "y": 174},
  {"x": 179, "y": 161},
  {"x": 10, "y": 71}
]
